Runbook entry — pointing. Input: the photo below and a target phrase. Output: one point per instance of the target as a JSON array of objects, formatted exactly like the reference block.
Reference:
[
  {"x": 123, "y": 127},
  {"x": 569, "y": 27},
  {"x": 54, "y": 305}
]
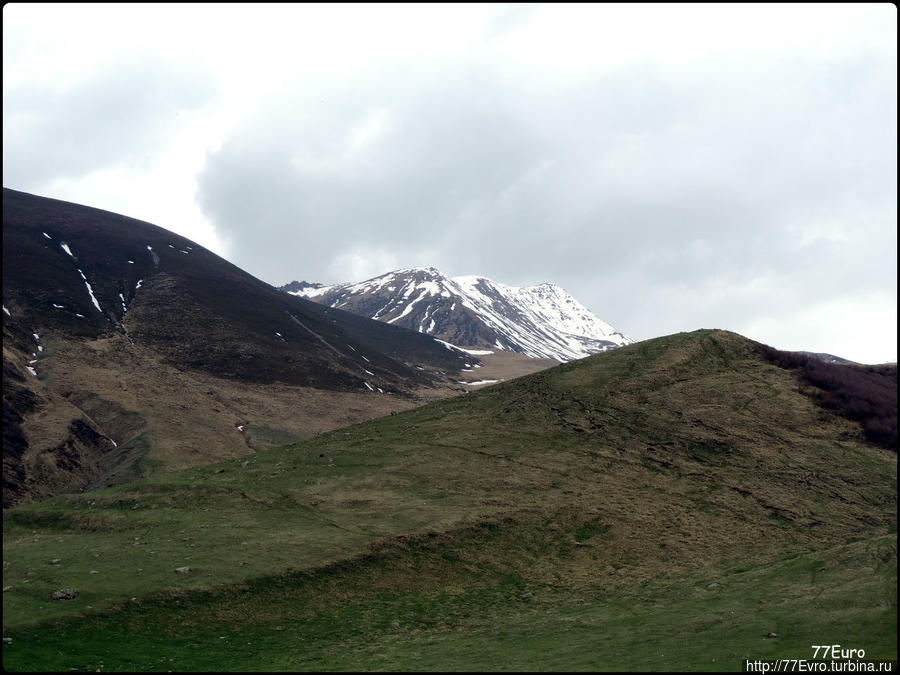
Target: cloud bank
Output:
[{"x": 674, "y": 167}]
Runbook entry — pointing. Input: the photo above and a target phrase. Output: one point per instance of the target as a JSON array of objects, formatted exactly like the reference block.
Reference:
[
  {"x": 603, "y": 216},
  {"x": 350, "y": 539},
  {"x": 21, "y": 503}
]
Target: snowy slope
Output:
[{"x": 539, "y": 321}]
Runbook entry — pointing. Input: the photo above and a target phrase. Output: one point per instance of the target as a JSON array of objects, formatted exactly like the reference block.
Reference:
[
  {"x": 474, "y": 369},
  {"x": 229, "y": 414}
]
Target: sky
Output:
[{"x": 672, "y": 166}]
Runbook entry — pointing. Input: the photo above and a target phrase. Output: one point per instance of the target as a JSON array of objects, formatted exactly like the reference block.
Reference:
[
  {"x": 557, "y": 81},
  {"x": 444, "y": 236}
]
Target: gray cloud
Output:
[
  {"x": 623, "y": 187},
  {"x": 120, "y": 113}
]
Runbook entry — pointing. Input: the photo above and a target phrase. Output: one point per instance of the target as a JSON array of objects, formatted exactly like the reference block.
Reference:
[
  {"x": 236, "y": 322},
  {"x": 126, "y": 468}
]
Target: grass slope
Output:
[{"x": 661, "y": 506}]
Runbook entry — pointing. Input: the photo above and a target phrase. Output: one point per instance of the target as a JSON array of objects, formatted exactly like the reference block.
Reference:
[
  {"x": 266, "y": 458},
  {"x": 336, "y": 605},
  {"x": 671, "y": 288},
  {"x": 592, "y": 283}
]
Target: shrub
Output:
[{"x": 864, "y": 394}]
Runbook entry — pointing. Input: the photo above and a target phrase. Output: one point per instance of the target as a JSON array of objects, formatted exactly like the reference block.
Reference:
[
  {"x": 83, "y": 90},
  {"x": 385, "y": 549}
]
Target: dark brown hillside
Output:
[
  {"x": 864, "y": 394},
  {"x": 182, "y": 298},
  {"x": 128, "y": 349}
]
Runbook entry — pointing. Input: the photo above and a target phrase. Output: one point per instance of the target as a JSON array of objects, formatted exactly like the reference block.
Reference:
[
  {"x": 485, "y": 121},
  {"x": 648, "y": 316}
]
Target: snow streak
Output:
[{"x": 90, "y": 292}]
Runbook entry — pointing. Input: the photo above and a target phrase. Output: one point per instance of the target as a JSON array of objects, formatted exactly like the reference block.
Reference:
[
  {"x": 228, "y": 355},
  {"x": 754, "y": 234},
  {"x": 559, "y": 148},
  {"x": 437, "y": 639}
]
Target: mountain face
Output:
[
  {"x": 541, "y": 321},
  {"x": 127, "y": 347}
]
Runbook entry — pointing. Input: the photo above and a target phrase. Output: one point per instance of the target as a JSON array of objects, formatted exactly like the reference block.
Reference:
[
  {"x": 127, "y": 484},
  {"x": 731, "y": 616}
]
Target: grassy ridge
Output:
[
  {"x": 628, "y": 481},
  {"x": 417, "y": 605}
]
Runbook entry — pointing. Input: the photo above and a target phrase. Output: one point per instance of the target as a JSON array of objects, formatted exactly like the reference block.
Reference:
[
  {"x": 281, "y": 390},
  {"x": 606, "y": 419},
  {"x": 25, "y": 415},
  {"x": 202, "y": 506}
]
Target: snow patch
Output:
[
  {"x": 368, "y": 385},
  {"x": 409, "y": 307},
  {"x": 480, "y": 382},
  {"x": 473, "y": 352},
  {"x": 447, "y": 344},
  {"x": 390, "y": 302},
  {"x": 90, "y": 292},
  {"x": 138, "y": 285},
  {"x": 65, "y": 247},
  {"x": 312, "y": 292},
  {"x": 6, "y": 310},
  {"x": 93, "y": 299},
  {"x": 46, "y": 235},
  {"x": 31, "y": 370}
]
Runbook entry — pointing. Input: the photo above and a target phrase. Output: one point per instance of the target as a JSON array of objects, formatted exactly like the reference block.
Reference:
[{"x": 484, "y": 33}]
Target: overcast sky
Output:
[{"x": 674, "y": 167}]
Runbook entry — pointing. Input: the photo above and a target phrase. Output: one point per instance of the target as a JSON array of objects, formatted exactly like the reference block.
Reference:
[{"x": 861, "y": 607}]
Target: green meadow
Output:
[{"x": 664, "y": 506}]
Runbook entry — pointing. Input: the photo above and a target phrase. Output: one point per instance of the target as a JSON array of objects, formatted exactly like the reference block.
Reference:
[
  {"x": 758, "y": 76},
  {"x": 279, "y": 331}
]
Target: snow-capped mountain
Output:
[{"x": 473, "y": 311}]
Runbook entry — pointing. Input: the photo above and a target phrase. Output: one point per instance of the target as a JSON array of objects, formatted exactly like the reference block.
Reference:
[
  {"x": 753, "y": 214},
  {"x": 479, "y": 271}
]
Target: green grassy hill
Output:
[{"x": 663, "y": 506}]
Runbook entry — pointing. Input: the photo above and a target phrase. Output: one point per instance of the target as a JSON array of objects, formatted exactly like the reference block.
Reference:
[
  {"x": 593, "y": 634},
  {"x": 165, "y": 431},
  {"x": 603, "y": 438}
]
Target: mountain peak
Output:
[
  {"x": 300, "y": 285},
  {"x": 474, "y": 311},
  {"x": 429, "y": 270}
]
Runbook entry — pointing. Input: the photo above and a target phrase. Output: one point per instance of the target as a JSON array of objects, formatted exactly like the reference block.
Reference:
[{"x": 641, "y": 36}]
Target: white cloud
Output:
[{"x": 843, "y": 326}]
